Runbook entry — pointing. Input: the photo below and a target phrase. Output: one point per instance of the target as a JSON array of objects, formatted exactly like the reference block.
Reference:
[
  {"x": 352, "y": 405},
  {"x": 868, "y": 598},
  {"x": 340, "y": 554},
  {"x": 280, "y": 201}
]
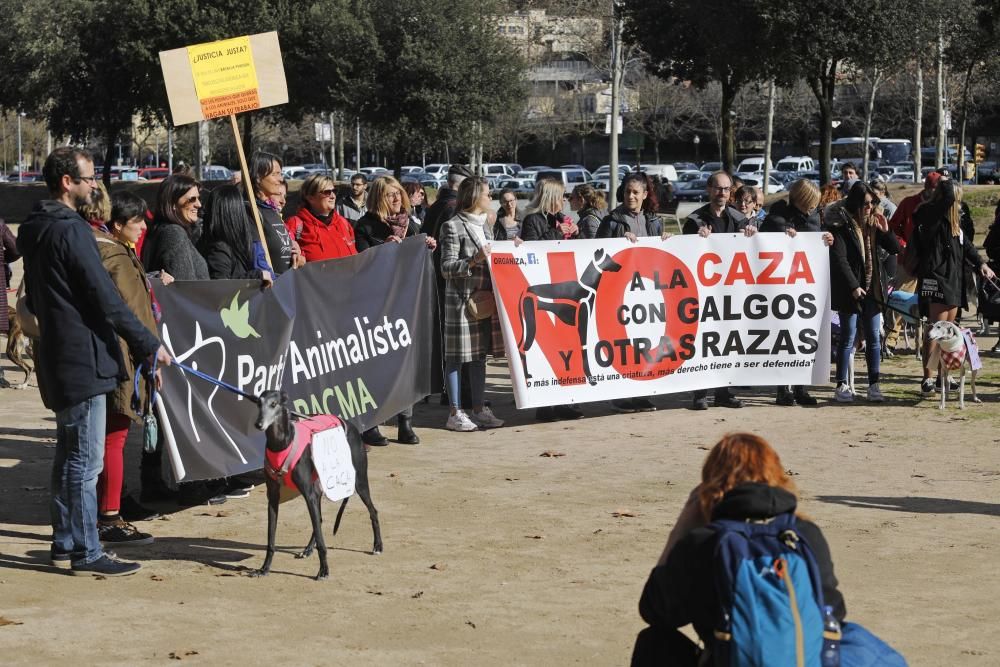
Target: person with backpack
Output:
[
  {"x": 742, "y": 482},
  {"x": 743, "y": 516}
]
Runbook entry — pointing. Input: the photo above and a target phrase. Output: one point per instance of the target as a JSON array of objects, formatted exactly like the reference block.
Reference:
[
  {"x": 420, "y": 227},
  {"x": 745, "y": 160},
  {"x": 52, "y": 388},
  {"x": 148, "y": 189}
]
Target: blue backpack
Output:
[{"x": 770, "y": 595}]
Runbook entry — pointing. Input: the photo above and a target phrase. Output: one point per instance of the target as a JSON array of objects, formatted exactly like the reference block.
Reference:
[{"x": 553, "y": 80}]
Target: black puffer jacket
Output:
[
  {"x": 941, "y": 257},
  {"x": 542, "y": 227},
  {"x": 372, "y": 231},
  {"x": 784, "y": 215},
  {"x": 683, "y": 590}
]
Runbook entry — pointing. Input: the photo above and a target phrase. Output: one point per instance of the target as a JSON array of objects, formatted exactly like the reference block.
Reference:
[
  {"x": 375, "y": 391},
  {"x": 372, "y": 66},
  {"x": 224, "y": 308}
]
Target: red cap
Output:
[{"x": 931, "y": 181}]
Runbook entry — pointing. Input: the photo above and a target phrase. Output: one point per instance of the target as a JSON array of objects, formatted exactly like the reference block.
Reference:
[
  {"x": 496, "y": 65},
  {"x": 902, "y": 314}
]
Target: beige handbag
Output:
[{"x": 26, "y": 318}]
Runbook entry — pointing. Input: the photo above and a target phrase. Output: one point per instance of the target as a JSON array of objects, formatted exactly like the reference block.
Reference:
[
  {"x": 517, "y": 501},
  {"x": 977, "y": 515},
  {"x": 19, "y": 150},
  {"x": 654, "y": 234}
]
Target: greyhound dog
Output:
[
  {"x": 275, "y": 419},
  {"x": 951, "y": 353},
  {"x": 19, "y": 348},
  {"x": 571, "y": 301}
]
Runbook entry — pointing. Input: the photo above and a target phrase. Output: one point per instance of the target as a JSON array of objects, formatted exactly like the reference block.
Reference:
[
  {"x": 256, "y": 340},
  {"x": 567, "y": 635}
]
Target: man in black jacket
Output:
[
  {"x": 81, "y": 315},
  {"x": 717, "y": 217}
]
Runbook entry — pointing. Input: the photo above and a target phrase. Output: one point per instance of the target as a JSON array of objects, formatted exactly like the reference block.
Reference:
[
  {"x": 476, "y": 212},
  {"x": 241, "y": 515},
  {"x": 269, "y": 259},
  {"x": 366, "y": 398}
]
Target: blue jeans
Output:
[
  {"x": 870, "y": 320},
  {"x": 477, "y": 381},
  {"x": 79, "y": 460}
]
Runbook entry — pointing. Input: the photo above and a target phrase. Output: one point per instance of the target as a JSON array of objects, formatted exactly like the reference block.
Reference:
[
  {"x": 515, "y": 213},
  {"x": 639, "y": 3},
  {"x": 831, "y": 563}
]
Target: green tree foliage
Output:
[
  {"x": 442, "y": 68},
  {"x": 729, "y": 41}
]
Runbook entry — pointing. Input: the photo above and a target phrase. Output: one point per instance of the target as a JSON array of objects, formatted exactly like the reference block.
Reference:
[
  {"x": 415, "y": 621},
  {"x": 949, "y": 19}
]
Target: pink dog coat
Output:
[{"x": 279, "y": 465}]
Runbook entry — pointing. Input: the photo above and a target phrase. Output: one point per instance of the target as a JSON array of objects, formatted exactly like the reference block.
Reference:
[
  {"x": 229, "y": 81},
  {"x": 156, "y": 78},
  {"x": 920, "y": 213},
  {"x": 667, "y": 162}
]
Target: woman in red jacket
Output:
[{"x": 321, "y": 232}]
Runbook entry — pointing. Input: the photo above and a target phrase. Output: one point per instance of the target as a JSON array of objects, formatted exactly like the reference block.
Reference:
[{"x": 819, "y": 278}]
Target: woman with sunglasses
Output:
[
  {"x": 321, "y": 232},
  {"x": 857, "y": 284},
  {"x": 387, "y": 220},
  {"x": 170, "y": 243}
]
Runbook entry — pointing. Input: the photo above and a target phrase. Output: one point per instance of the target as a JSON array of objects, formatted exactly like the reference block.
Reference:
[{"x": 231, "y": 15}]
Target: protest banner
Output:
[
  {"x": 223, "y": 78},
  {"x": 350, "y": 337},
  {"x": 603, "y": 319}
]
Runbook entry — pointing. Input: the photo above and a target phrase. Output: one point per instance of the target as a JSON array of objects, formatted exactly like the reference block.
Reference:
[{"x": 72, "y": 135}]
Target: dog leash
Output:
[{"x": 228, "y": 387}]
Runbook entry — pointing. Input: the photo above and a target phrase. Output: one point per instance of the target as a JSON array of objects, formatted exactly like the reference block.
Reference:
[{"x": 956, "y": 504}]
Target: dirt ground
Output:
[{"x": 496, "y": 555}]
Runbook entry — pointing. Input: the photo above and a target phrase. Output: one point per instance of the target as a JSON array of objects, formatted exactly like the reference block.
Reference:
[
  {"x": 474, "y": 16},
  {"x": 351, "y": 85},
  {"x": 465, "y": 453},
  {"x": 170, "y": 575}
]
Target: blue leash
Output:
[
  {"x": 217, "y": 382},
  {"x": 228, "y": 387}
]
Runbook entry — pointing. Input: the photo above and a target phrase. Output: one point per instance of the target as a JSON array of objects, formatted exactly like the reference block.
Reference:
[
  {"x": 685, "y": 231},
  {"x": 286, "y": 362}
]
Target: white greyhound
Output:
[{"x": 951, "y": 352}]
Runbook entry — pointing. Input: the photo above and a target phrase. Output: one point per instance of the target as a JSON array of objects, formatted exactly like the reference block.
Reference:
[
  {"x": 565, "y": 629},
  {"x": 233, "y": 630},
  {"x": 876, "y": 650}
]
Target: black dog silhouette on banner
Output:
[{"x": 570, "y": 301}]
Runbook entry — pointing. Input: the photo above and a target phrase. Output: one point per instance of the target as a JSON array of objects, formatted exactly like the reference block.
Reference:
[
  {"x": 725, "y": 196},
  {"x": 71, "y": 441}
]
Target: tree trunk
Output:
[
  {"x": 918, "y": 124},
  {"x": 109, "y": 155},
  {"x": 772, "y": 92},
  {"x": 965, "y": 114},
  {"x": 942, "y": 132},
  {"x": 876, "y": 79},
  {"x": 340, "y": 147},
  {"x": 822, "y": 86},
  {"x": 728, "y": 139},
  {"x": 656, "y": 150}
]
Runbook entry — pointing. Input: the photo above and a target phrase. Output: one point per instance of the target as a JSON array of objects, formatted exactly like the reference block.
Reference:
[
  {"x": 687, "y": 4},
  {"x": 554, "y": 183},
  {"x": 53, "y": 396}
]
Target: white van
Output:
[
  {"x": 664, "y": 171},
  {"x": 792, "y": 163},
  {"x": 751, "y": 165}
]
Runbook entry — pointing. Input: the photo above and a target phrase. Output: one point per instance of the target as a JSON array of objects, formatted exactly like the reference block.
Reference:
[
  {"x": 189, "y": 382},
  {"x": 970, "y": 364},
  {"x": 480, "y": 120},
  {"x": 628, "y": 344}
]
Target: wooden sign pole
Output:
[{"x": 248, "y": 185}]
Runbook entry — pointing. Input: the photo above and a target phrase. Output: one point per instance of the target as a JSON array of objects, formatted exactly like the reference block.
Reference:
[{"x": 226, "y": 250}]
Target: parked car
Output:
[
  {"x": 756, "y": 179},
  {"x": 438, "y": 169},
  {"x": 498, "y": 169},
  {"x": 688, "y": 175},
  {"x": 751, "y": 164},
  {"x": 154, "y": 173},
  {"x": 572, "y": 166},
  {"x": 711, "y": 167},
  {"x": 987, "y": 172},
  {"x": 666, "y": 171},
  {"x": 901, "y": 177},
  {"x": 604, "y": 171},
  {"x": 518, "y": 185},
  {"x": 375, "y": 172},
  {"x": 691, "y": 190},
  {"x": 297, "y": 173},
  {"x": 570, "y": 177},
  {"x": 685, "y": 166},
  {"x": 790, "y": 163},
  {"x": 410, "y": 169}
]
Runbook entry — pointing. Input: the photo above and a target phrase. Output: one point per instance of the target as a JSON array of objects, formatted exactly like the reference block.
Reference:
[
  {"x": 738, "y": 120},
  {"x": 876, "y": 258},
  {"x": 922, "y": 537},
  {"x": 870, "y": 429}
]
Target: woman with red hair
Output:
[{"x": 742, "y": 479}]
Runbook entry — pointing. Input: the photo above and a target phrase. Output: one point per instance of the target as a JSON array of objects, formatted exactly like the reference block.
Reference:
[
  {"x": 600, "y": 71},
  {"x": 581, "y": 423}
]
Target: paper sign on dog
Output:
[
  {"x": 332, "y": 457},
  {"x": 224, "y": 77}
]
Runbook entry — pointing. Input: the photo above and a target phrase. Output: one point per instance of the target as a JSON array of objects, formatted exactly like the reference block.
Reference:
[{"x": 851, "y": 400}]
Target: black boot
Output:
[
  {"x": 802, "y": 396},
  {"x": 406, "y": 436},
  {"x": 374, "y": 438},
  {"x": 785, "y": 396}
]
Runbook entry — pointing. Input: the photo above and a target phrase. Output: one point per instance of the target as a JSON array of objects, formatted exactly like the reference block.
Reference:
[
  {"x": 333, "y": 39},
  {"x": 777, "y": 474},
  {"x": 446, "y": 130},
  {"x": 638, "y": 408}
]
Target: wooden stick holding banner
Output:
[{"x": 224, "y": 78}]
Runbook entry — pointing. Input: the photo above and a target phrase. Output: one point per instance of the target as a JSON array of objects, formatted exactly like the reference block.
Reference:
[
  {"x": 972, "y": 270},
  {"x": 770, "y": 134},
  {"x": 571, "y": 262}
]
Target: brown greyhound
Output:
[{"x": 275, "y": 419}]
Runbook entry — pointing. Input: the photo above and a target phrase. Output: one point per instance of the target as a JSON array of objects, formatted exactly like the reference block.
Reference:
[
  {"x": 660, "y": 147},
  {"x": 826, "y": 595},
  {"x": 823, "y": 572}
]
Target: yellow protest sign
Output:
[{"x": 224, "y": 76}]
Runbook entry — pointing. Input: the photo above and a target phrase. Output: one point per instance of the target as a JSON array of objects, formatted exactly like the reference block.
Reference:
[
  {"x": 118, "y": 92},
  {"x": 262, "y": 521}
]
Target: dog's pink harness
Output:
[{"x": 278, "y": 465}]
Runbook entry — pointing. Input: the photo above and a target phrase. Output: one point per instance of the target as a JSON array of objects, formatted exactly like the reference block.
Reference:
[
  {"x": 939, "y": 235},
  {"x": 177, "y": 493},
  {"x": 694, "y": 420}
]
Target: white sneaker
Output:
[
  {"x": 460, "y": 422},
  {"x": 843, "y": 393},
  {"x": 875, "y": 394},
  {"x": 486, "y": 418}
]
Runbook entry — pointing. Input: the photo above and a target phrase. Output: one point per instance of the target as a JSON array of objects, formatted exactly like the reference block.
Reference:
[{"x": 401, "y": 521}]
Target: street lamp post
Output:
[
  {"x": 697, "y": 142},
  {"x": 20, "y": 161}
]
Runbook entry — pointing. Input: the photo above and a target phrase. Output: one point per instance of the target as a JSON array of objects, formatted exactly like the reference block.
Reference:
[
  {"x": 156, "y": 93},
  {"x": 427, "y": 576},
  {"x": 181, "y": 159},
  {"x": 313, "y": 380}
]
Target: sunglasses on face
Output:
[{"x": 329, "y": 192}]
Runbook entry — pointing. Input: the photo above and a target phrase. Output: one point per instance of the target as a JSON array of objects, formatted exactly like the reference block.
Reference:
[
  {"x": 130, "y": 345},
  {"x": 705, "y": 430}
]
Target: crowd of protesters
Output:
[{"x": 89, "y": 258}]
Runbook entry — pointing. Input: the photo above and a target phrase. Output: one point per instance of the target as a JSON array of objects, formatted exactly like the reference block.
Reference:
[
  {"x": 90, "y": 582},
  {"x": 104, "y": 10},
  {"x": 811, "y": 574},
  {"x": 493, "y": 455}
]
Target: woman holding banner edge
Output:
[
  {"x": 387, "y": 220},
  {"x": 469, "y": 334}
]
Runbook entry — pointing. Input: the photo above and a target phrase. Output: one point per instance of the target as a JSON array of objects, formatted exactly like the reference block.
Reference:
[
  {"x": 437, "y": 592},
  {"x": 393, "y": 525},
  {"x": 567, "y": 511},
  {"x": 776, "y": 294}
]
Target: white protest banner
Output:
[{"x": 603, "y": 319}]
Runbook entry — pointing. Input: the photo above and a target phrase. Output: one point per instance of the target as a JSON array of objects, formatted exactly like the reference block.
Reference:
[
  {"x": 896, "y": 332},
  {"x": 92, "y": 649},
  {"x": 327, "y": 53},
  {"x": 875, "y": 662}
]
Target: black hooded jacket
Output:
[
  {"x": 683, "y": 591},
  {"x": 784, "y": 215},
  {"x": 79, "y": 309}
]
